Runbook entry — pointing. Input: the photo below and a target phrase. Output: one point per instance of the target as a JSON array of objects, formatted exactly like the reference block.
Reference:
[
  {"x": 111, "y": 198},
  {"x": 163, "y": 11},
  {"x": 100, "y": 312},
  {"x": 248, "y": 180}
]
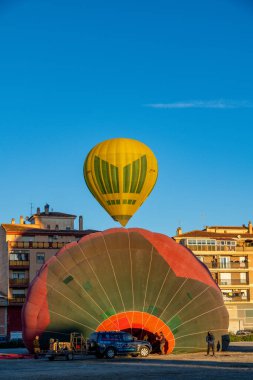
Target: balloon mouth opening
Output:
[{"x": 138, "y": 323}]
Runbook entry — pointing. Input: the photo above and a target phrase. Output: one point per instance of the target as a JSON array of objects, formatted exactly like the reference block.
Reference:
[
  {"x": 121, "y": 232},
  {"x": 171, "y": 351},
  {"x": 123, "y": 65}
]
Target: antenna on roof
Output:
[
  {"x": 203, "y": 218},
  {"x": 31, "y": 208}
]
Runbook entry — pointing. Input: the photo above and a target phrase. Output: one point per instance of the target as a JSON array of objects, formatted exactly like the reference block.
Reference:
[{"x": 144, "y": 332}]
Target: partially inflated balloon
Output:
[
  {"x": 125, "y": 279},
  {"x": 121, "y": 173}
]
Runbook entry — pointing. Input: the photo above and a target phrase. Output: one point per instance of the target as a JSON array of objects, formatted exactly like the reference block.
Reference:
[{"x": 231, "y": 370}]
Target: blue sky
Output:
[{"x": 176, "y": 75}]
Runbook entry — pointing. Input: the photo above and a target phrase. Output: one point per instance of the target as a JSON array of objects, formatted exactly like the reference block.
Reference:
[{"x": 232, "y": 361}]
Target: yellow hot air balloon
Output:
[{"x": 121, "y": 173}]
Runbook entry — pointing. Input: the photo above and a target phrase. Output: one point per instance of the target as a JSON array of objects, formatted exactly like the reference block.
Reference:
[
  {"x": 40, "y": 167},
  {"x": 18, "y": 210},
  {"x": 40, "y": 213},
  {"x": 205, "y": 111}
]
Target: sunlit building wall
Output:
[
  {"x": 227, "y": 252},
  {"x": 24, "y": 248}
]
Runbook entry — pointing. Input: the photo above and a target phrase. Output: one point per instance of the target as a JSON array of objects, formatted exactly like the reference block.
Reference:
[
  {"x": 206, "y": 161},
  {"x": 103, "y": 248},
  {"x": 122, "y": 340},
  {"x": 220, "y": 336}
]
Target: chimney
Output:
[
  {"x": 80, "y": 223},
  {"x": 12, "y": 221},
  {"x": 250, "y": 227},
  {"x": 21, "y": 220},
  {"x": 38, "y": 211},
  {"x": 179, "y": 231},
  {"x": 47, "y": 209}
]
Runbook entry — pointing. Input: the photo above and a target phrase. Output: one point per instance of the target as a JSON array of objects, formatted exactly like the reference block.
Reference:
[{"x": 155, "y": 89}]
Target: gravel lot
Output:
[{"x": 237, "y": 363}]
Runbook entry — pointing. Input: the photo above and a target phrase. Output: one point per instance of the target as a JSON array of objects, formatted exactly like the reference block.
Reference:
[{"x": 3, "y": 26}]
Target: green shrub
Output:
[{"x": 241, "y": 338}]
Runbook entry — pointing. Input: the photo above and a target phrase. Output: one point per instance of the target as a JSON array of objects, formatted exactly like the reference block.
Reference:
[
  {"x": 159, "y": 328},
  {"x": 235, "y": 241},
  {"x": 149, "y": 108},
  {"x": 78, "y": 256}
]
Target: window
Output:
[
  {"x": 18, "y": 275},
  {"x": 225, "y": 278},
  {"x": 243, "y": 278},
  {"x": 40, "y": 258},
  {"x": 127, "y": 338},
  {"x": 18, "y": 293},
  {"x": 18, "y": 255},
  {"x": 225, "y": 262}
]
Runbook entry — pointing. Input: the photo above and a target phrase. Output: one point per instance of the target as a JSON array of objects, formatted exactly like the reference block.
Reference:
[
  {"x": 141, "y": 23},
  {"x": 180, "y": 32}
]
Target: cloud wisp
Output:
[{"x": 215, "y": 104}]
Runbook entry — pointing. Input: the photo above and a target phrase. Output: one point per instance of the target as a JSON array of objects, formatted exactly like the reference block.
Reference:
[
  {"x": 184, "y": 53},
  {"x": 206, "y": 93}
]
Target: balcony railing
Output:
[
  {"x": 235, "y": 299},
  {"x": 17, "y": 300},
  {"x": 36, "y": 245},
  {"x": 228, "y": 265},
  {"x": 18, "y": 263},
  {"x": 198, "y": 247},
  {"x": 212, "y": 248},
  {"x": 233, "y": 282},
  {"x": 19, "y": 281}
]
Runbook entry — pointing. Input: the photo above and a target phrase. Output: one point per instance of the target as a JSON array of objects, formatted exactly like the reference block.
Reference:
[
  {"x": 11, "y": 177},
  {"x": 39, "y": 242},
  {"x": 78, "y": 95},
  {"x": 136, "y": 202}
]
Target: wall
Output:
[{"x": 4, "y": 263}]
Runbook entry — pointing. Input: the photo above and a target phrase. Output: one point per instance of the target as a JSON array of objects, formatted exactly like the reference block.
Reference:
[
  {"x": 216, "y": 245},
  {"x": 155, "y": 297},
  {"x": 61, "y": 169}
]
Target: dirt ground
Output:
[{"x": 235, "y": 364}]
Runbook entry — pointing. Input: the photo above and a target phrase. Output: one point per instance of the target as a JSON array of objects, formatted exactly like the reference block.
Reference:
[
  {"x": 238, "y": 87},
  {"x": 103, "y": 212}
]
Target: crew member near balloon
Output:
[
  {"x": 162, "y": 342},
  {"x": 210, "y": 342},
  {"x": 36, "y": 347}
]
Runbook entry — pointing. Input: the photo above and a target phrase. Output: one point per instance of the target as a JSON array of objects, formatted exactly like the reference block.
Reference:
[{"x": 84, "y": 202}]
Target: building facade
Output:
[
  {"x": 24, "y": 248},
  {"x": 228, "y": 254}
]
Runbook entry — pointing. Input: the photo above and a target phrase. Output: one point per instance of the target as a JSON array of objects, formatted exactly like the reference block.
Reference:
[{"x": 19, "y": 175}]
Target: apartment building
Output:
[
  {"x": 228, "y": 254},
  {"x": 24, "y": 248}
]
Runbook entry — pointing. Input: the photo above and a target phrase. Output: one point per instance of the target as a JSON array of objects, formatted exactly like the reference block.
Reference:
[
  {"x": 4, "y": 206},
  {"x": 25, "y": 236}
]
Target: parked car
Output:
[
  {"x": 244, "y": 332},
  {"x": 112, "y": 343}
]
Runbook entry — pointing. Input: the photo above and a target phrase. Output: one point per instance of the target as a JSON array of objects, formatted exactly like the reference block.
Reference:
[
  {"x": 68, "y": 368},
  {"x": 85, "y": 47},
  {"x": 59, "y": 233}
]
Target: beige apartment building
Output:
[
  {"x": 228, "y": 254},
  {"x": 24, "y": 248}
]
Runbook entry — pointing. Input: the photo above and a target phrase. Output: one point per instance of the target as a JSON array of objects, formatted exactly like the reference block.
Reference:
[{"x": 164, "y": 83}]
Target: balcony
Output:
[
  {"x": 19, "y": 282},
  {"x": 18, "y": 300},
  {"x": 235, "y": 299},
  {"x": 36, "y": 245},
  {"x": 15, "y": 264},
  {"x": 228, "y": 265},
  {"x": 212, "y": 248},
  {"x": 233, "y": 282}
]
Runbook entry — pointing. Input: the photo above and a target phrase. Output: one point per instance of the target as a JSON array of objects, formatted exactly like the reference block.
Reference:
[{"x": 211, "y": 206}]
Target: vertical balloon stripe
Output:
[
  {"x": 106, "y": 176},
  {"x": 98, "y": 175},
  {"x": 119, "y": 168},
  {"x": 143, "y": 173},
  {"x": 135, "y": 175},
  {"x": 126, "y": 178},
  {"x": 115, "y": 178}
]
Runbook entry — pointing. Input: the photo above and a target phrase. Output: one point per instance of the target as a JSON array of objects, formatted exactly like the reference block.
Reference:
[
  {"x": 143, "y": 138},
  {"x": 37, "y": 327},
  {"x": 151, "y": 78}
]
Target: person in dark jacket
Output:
[{"x": 210, "y": 342}]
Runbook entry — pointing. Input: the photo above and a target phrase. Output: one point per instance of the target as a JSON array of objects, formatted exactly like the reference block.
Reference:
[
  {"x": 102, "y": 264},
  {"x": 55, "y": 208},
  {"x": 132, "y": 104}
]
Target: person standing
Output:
[
  {"x": 162, "y": 341},
  {"x": 36, "y": 347},
  {"x": 210, "y": 342},
  {"x": 145, "y": 337}
]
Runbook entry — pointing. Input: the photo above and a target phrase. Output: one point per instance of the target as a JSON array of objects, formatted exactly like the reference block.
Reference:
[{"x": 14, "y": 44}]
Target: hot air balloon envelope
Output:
[
  {"x": 121, "y": 173},
  {"x": 125, "y": 279}
]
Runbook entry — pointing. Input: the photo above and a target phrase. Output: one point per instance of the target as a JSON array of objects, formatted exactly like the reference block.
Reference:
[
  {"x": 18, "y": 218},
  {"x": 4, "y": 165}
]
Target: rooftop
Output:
[
  {"x": 31, "y": 229},
  {"x": 53, "y": 214},
  {"x": 214, "y": 235}
]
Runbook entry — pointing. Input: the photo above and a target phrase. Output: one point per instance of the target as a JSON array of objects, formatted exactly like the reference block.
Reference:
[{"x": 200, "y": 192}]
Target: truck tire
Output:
[
  {"x": 144, "y": 352},
  {"x": 110, "y": 353}
]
